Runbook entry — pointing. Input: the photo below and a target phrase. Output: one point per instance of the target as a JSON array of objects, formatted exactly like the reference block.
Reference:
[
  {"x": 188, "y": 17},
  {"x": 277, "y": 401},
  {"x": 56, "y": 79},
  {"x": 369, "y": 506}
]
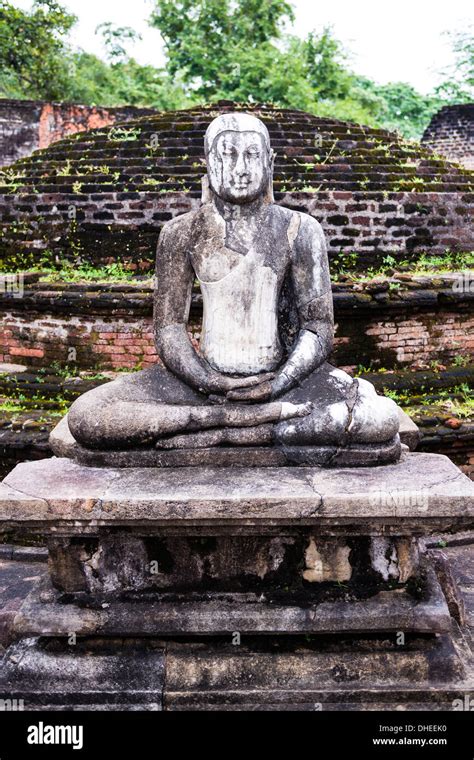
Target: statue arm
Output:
[
  {"x": 172, "y": 302},
  {"x": 312, "y": 288}
]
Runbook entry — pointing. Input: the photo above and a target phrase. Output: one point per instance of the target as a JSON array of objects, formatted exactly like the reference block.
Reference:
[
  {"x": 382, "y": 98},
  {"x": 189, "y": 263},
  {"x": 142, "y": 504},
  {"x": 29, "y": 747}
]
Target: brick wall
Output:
[
  {"x": 97, "y": 343},
  {"x": 114, "y": 226},
  {"x": 403, "y": 341},
  {"x": 112, "y": 329},
  {"x": 28, "y": 125},
  {"x": 104, "y": 194},
  {"x": 451, "y": 133},
  {"x": 391, "y": 223},
  {"x": 124, "y": 343}
]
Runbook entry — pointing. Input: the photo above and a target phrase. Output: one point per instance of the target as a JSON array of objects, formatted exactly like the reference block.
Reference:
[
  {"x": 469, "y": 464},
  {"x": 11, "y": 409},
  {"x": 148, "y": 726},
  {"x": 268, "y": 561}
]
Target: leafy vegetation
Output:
[
  {"x": 124, "y": 134},
  {"x": 37, "y": 60},
  {"x": 344, "y": 266},
  {"x": 68, "y": 272},
  {"x": 451, "y": 261},
  {"x": 457, "y": 402},
  {"x": 235, "y": 49},
  {"x": 458, "y": 84},
  {"x": 56, "y": 405}
]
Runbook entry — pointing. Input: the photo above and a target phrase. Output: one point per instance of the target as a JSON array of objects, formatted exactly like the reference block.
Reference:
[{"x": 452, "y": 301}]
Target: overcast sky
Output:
[{"x": 398, "y": 41}]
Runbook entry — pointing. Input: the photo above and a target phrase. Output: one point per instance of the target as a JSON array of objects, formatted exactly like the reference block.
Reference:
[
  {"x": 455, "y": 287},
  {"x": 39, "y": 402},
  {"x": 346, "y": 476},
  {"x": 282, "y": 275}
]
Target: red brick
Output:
[{"x": 20, "y": 351}]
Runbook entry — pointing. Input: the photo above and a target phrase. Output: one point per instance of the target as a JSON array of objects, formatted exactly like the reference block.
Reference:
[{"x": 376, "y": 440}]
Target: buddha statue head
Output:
[{"x": 239, "y": 158}]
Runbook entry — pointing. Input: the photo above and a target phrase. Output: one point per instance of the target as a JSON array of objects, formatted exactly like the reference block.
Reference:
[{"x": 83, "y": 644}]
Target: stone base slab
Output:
[
  {"x": 419, "y": 495},
  {"x": 346, "y": 674},
  {"x": 426, "y": 673},
  {"x": 104, "y": 675}
]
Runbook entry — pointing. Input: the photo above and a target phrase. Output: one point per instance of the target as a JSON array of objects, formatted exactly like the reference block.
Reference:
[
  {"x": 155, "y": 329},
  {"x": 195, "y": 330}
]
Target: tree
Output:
[
  {"x": 205, "y": 39},
  {"x": 239, "y": 49},
  {"x": 114, "y": 37},
  {"x": 399, "y": 107},
  {"x": 233, "y": 49},
  {"x": 458, "y": 86},
  {"x": 126, "y": 82},
  {"x": 34, "y": 57},
  {"x": 326, "y": 62},
  {"x": 37, "y": 61}
]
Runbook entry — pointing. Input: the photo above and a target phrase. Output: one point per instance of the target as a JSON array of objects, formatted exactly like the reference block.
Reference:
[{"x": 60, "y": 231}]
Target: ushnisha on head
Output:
[{"x": 239, "y": 158}]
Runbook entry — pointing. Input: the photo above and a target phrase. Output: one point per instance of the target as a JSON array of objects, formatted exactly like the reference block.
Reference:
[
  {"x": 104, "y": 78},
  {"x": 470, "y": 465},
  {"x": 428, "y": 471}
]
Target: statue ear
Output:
[
  {"x": 206, "y": 195},
  {"x": 269, "y": 197}
]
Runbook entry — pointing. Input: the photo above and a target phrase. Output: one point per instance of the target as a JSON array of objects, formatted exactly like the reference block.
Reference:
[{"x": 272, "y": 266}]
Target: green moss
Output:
[
  {"x": 124, "y": 134},
  {"x": 68, "y": 272},
  {"x": 57, "y": 404}
]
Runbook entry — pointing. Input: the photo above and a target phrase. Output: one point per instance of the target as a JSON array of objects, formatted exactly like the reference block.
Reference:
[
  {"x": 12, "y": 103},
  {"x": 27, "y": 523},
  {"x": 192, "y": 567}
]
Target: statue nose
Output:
[{"x": 240, "y": 167}]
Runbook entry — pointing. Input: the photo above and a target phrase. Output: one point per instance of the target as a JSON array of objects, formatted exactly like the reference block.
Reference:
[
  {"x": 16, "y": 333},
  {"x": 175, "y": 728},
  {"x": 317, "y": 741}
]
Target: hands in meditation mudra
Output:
[{"x": 261, "y": 378}]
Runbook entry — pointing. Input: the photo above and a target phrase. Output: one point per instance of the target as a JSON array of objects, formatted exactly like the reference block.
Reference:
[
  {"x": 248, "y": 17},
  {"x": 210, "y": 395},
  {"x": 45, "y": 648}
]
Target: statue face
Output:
[{"x": 238, "y": 166}]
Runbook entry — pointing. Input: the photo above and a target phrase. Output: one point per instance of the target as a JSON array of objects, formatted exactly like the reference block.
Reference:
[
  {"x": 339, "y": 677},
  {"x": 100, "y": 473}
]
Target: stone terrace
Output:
[
  {"x": 103, "y": 195},
  {"x": 451, "y": 133},
  {"x": 392, "y": 322}
]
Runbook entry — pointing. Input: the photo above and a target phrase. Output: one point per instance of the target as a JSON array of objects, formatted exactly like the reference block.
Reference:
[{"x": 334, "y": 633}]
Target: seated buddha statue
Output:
[{"x": 261, "y": 376}]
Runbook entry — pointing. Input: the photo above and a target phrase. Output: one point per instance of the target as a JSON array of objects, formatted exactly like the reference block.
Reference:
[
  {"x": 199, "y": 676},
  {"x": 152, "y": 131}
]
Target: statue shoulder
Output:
[
  {"x": 177, "y": 228},
  {"x": 309, "y": 226},
  {"x": 299, "y": 221},
  {"x": 309, "y": 257},
  {"x": 304, "y": 231}
]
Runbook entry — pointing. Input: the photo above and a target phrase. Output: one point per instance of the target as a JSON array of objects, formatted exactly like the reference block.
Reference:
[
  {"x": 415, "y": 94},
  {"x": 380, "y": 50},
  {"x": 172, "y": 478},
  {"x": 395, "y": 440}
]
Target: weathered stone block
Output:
[
  {"x": 272, "y": 611},
  {"x": 327, "y": 560},
  {"x": 394, "y": 558},
  {"x": 421, "y": 494},
  {"x": 52, "y": 674}
]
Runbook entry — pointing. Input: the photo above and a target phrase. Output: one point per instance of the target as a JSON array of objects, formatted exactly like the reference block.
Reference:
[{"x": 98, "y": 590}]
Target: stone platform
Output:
[
  {"x": 318, "y": 672},
  {"x": 420, "y": 494},
  {"x": 308, "y": 674},
  {"x": 167, "y": 566}
]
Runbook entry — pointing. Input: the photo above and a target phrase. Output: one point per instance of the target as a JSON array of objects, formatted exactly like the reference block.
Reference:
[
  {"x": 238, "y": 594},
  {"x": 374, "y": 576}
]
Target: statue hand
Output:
[
  {"x": 233, "y": 383},
  {"x": 256, "y": 393},
  {"x": 224, "y": 383}
]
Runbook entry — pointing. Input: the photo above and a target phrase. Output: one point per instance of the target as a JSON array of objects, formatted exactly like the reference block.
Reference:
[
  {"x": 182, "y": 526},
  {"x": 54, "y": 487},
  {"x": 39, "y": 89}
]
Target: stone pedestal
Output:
[{"x": 265, "y": 588}]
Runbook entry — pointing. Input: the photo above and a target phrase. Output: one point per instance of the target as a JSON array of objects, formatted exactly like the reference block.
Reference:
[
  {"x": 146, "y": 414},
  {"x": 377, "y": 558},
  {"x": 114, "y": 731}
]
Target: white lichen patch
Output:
[{"x": 327, "y": 560}]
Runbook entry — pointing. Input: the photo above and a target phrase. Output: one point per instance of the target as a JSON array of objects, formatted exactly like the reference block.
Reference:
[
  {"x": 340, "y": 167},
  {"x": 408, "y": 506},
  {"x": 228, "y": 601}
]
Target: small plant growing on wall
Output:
[{"x": 124, "y": 134}]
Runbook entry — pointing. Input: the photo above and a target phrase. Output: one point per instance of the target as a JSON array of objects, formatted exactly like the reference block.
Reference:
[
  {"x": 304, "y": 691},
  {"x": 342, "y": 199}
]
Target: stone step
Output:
[{"x": 217, "y": 613}]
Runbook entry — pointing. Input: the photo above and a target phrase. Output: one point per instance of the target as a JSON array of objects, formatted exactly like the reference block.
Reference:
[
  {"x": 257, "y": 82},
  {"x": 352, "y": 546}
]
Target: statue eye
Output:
[
  {"x": 253, "y": 151},
  {"x": 228, "y": 151}
]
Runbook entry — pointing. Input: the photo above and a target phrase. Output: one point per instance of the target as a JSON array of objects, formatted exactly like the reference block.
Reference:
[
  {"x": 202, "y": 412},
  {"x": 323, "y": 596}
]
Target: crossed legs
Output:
[{"x": 153, "y": 407}]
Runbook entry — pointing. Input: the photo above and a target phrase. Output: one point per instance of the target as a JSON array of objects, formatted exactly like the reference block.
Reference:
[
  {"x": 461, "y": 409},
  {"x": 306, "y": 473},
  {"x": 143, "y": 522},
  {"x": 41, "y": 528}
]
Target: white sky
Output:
[{"x": 400, "y": 41}]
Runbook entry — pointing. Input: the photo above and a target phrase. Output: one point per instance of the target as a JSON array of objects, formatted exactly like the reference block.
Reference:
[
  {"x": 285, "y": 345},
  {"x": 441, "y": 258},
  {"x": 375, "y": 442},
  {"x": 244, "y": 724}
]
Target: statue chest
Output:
[
  {"x": 240, "y": 265},
  {"x": 243, "y": 246},
  {"x": 246, "y": 292},
  {"x": 212, "y": 264},
  {"x": 240, "y": 312}
]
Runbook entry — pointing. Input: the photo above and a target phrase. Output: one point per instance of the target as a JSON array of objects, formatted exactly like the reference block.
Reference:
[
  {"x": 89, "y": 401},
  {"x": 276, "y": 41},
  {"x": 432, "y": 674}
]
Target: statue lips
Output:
[{"x": 241, "y": 184}]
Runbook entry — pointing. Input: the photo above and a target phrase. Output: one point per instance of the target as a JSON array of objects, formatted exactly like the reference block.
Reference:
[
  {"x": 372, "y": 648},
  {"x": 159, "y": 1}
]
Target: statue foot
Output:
[
  {"x": 289, "y": 410},
  {"x": 260, "y": 435}
]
